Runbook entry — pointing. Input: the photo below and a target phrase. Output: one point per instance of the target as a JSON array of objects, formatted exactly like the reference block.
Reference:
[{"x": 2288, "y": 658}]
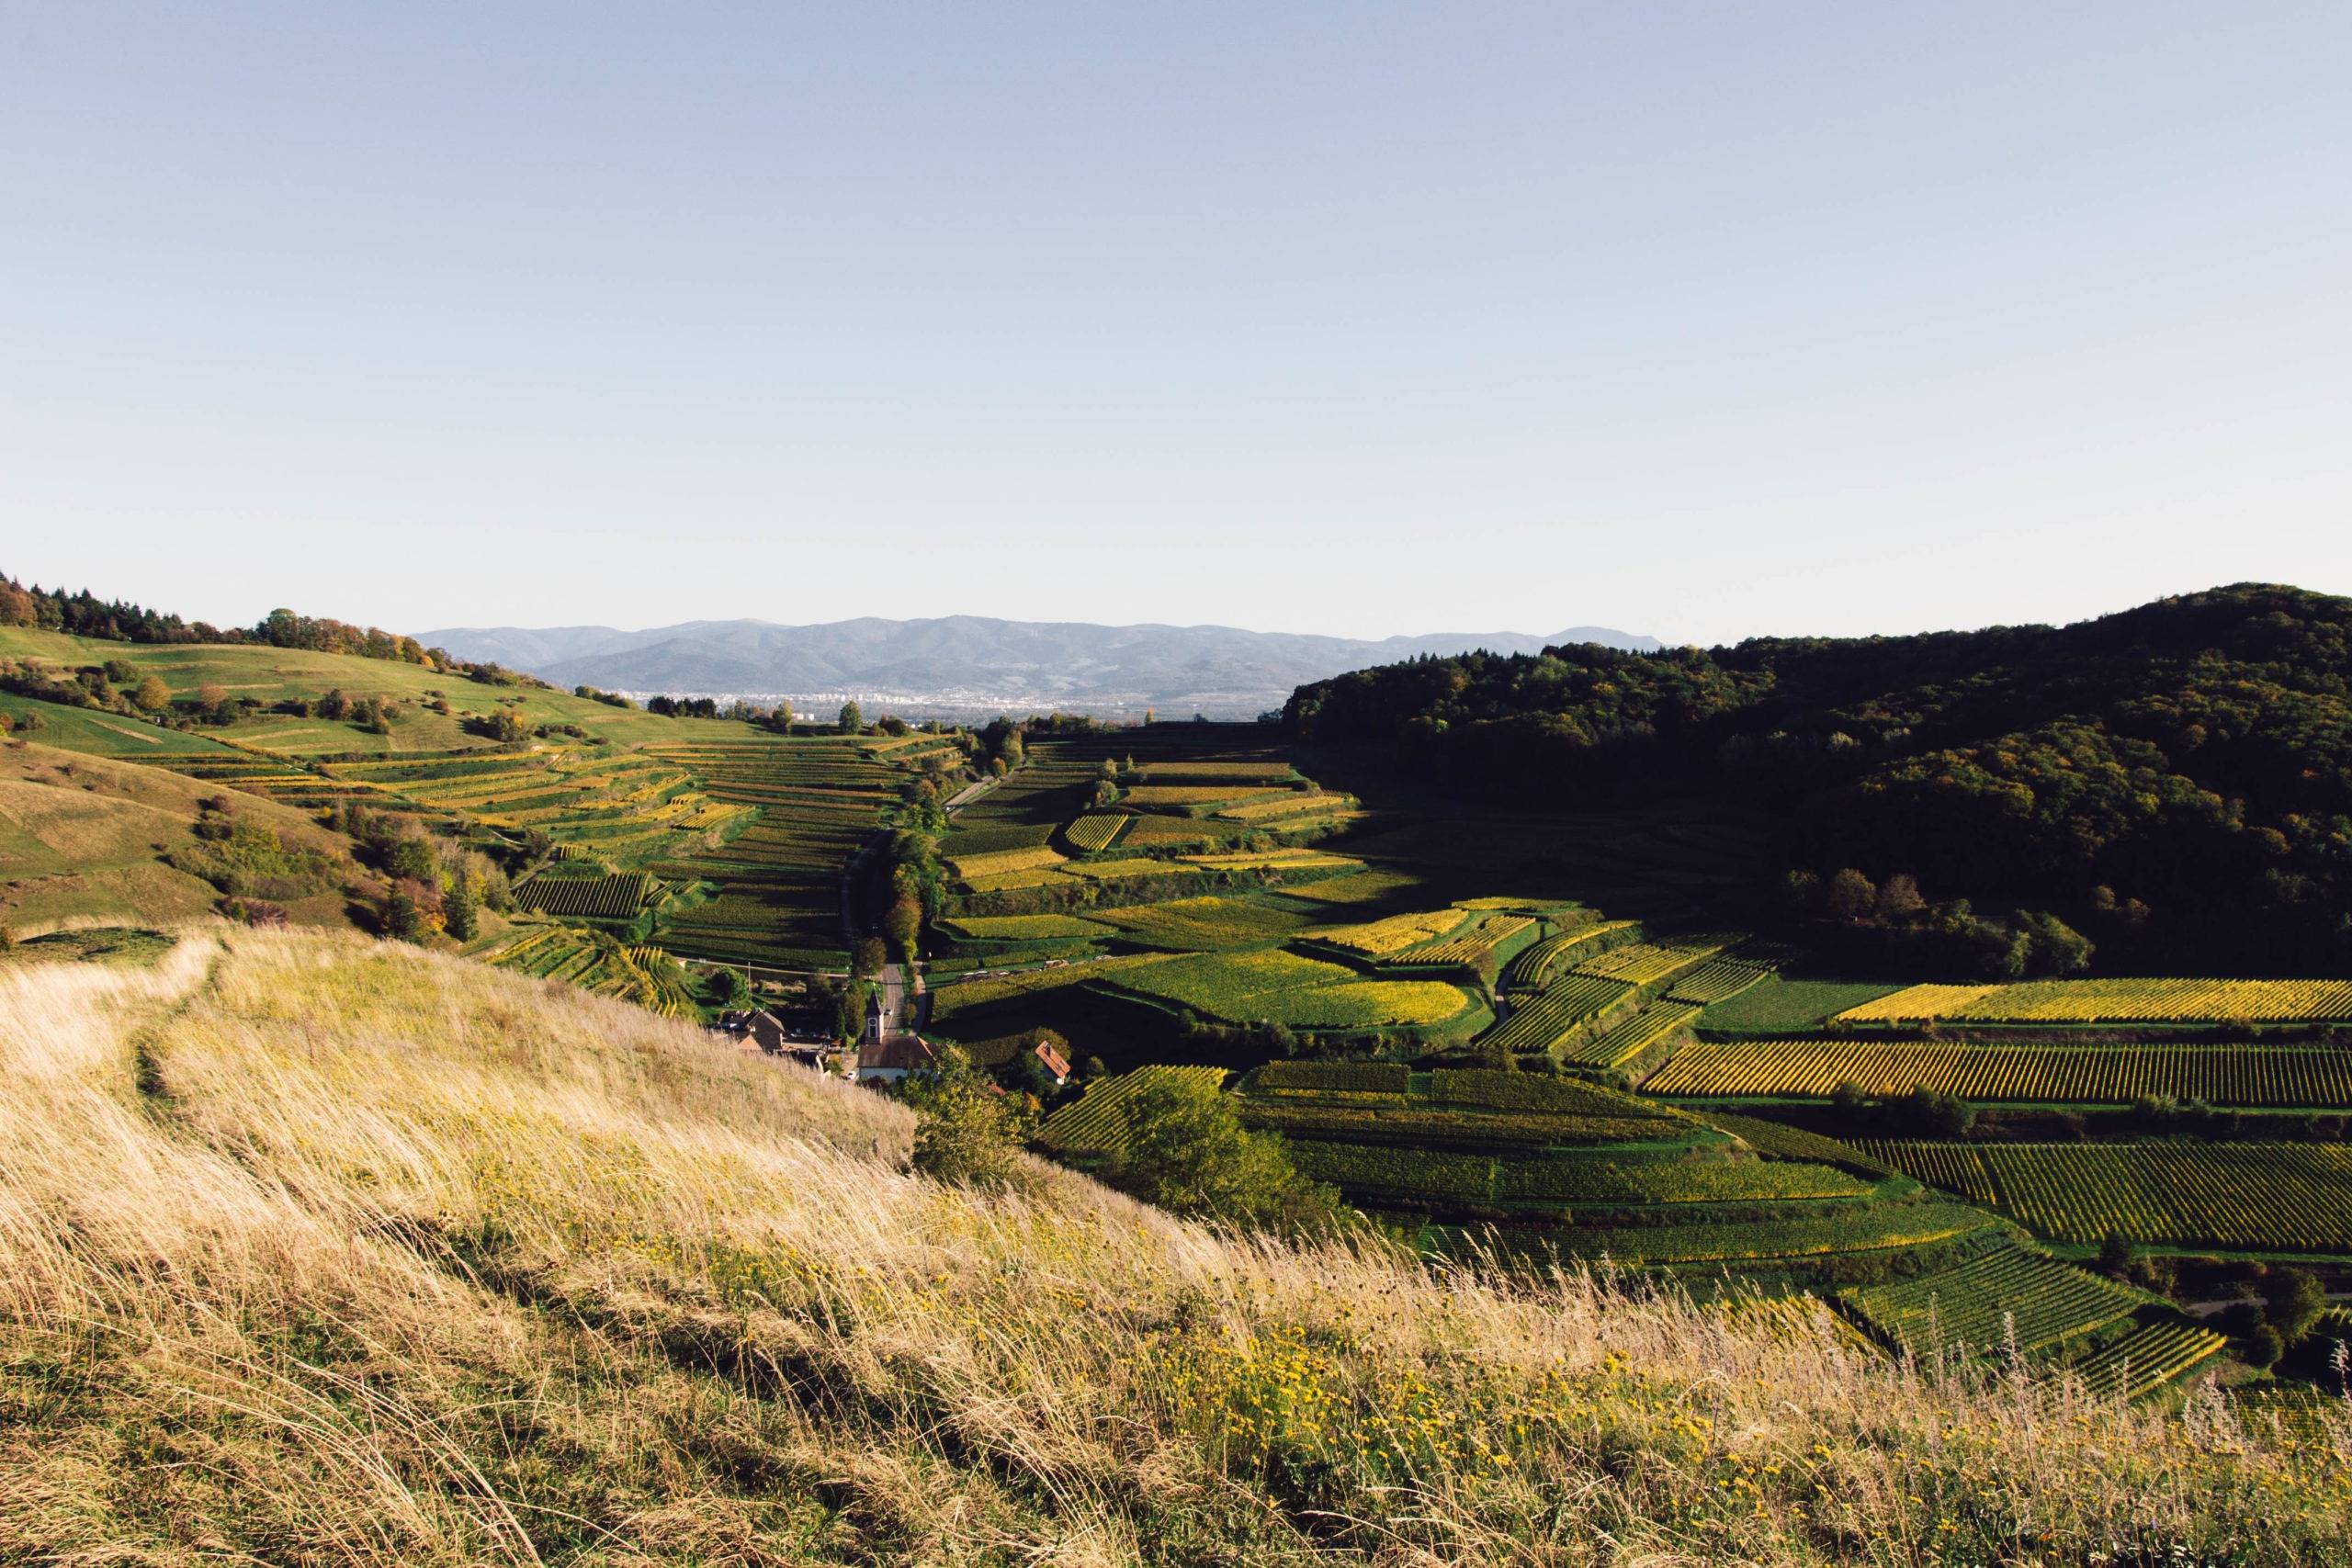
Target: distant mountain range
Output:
[{"x": 968, "y": 663}]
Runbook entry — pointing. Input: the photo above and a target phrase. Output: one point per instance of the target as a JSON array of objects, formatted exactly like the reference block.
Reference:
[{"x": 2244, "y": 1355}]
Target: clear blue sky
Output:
[{"x": 1698, "y": 320}]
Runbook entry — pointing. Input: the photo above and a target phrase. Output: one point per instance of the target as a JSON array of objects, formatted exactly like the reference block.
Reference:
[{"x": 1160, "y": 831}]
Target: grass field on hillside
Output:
[
  {"x": 313, "y": 1269},
  {"x": 86, "y": 838}
]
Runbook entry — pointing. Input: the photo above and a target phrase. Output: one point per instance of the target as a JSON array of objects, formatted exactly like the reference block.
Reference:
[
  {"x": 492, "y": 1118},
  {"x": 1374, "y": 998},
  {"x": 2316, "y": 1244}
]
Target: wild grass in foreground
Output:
[{"x": 315, "y": 1251}]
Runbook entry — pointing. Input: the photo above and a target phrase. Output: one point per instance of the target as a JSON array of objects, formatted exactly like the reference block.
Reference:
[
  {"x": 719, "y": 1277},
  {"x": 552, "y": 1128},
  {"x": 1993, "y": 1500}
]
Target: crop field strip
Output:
[
  {"x": 1202, "y": 799},
  {"x": 1540, "y": 964},
  {"x": 613, "y": 898},
  {"x": 1276, "y": 860},
  {"x": 1217, "y": 773},
  {"x": 2147, "y": 1358},
  {"x": 1857, "y": 1228},
  {"x": 1176, "y": 833},
  {"x": 2015, "y": 1295},
  {"x": 1622, "y": 1043},
  {"x": 1361, "y": 887},
  {"x": 1037, "y": 858},
  {"x": 1567, "y": 1178},
  {"x": 1280, "y": 809},
  {"x": 1391, "y": 936},
  {"x": 2249, "y": 1075},
  {"x": 1537, "y": 1025},
  {"x": 1096, "y": 831},
  {"x": 961, "y": 840},
  {"x": 1417, "y": 1125},
  {"x": 1273, "y": 987},
  {"x": 1202, "y": 924},
  {"x": 948, "y": 1000},
  {"x": 645, "y": 975},
  {"x": 2238, "y": 1197},
  {"x": 1488, "y": 933},
  {"x": 1474, "y": 1109},
  {"x": 1717, "y": 981},
  {"x": 1647, "y": 962},
  {"x": 1021, "y": 928},
  {"x": 2115, "y": 1001},
  {"x": 1776, "y": 1140}
]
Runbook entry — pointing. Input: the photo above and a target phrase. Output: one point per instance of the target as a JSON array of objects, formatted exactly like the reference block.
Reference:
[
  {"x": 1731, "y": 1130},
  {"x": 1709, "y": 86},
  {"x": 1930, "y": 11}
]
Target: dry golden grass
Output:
[{"x": 315, "y": 1251}]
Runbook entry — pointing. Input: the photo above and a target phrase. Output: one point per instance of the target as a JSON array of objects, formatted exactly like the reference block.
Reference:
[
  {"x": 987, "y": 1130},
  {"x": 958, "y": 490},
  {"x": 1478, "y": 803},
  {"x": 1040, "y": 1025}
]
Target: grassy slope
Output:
[
  {"x": 272, "y": 674},
  {"x": 84, "y": 838},
  {"x": 300, "y": 1260}
]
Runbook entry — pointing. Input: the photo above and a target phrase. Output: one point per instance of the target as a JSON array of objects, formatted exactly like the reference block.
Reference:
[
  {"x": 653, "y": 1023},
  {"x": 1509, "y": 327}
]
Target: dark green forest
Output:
[{"x": 2173, "y": 782}]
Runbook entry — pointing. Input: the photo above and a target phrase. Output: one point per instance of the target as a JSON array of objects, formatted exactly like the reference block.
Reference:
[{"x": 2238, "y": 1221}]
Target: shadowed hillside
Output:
[{"x": 2173, "y": 782}]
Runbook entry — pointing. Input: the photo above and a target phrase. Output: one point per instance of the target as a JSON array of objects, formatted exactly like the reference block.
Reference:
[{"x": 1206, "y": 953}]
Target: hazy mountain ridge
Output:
[{"x": 972, "y": 658}]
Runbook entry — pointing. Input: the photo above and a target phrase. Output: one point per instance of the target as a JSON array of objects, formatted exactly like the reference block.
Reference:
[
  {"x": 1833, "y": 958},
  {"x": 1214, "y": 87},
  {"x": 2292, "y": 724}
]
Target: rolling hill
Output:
[
  {"x": 84, "y": 838},
  {"x": 318, "y": 1250},
  {"x": 2175, "y": 780},
  {"x": 969, "y": 663}
]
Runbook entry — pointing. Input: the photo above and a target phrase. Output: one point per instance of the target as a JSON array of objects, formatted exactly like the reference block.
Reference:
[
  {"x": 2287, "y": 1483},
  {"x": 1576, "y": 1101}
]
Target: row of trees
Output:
[
  {"x": 1892, "y": 925},
  {"x": 83, "y": 614}
]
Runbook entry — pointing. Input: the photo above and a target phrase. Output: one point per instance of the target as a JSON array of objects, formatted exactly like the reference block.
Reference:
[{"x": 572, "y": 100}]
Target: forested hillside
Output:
[{"x": 2173, "y": 782}]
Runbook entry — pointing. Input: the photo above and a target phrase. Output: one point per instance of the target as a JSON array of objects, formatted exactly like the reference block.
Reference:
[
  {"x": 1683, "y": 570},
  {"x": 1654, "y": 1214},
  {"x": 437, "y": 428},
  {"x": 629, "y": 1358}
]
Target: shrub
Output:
[
  {"x": 727, "y": 988},
  {"x": 971, "y": 1132},
  {"x": 1186, "y": 1151}
]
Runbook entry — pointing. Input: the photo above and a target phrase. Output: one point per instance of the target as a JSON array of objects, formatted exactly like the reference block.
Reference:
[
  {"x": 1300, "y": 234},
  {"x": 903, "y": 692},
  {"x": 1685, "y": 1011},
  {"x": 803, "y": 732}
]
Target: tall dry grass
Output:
[{"x": 319, "y": 1251}]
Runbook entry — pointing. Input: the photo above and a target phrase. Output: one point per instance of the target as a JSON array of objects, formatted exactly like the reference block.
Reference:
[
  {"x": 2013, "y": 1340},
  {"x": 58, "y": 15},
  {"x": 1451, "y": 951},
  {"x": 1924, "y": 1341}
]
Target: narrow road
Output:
[{"x": 971, "y": 793}]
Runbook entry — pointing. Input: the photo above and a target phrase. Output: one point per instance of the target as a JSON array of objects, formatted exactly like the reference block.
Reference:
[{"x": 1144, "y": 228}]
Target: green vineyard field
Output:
[
  {"x": 1542, "y": 1022},
  {"x": 2248, "y": 1197},
  {"x": 2315, "y": 1075},
  {"x": 2164, "y": 1000},
  {"x": 1096, "y": 1121},
  {"x": 615, "y": 897},
  {"x": 2012, "y": 1297}
]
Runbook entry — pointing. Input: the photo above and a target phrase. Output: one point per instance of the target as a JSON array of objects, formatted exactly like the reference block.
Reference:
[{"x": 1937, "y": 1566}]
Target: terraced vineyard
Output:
[
  {"x": 1202, "y": 924},
  {"x": 1285, "y": 810},
  {"x": 1096, "y": 1123},
  {"x": 1097, "y": 831},
  {"x": 645, "y": 975},
  {"x": 613, "y": 898},
  {"x": 2248, "y": 1197},
  {"x": 1852, "y": 1230},
  {"x": 1536, "y": 968},
  {"x": 2015, "y": 1297},
  {"x": 1537, "y": 1025},
  {"x": 2317, "y": 1076},
  {"x": 1391, "y": 936},
  {"x": 1215, "y": 770},
  {"x": 1644, "y": 963},
  {"x": 627, "y": 809},
  {"x": 1489, "y": 934},
  {"x": 1716, "y": 982},
  {"x": 1623, "y": 1044},
  {"x": 1274, "y": 987},
  {"x": 1022, "y": 927},
  {"x": 2116, "y": 1002},
  {"x": 776, "y": 880},
  {"x": 1398, "y": 1172},
  {"x": 2148, "y": 1358},
  {"x": 1201, "y": 798}
]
